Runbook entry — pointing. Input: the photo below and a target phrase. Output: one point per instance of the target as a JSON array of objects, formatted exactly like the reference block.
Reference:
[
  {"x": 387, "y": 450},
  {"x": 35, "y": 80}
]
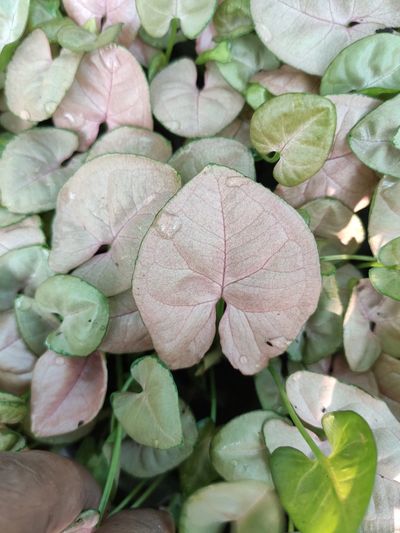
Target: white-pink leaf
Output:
[
  {"x": 188, "y": 111},
  {"x": 106, "y": 13},
  {"x": 110, "y": 202},
  {"x": 16, "y": 361},
  {"x": 287, "y": 79},
  {"x": 67, "y": 392},
  {"x": 25, "y": 233},
  {"x": 109, "y": 87},
  {"x": 126, "y": 332},
  {"x": 343, "y": 176},
  {"x": 224, "y": 236}
]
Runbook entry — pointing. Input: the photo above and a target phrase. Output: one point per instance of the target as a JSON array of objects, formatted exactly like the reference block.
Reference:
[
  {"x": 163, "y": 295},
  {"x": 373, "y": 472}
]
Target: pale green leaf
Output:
[
  {"x": 13, "y": 18},
  {"x": 150, "y": 417},
  {"x": 83, "y": 311},
  {"x": 296, "y": 131},
  {"x": 232, "y": 19},
  {"x": 386, "y": 281},
  {"x": 12, "y": 408}
]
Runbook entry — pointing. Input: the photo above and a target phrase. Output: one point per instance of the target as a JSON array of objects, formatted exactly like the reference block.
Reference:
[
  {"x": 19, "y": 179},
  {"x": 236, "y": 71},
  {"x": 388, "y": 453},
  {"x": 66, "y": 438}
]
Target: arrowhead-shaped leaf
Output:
[
  {"x": 329, "y": 493},
  {"x": 150, "y": 417},
  {"x": 261, "y": 260}
]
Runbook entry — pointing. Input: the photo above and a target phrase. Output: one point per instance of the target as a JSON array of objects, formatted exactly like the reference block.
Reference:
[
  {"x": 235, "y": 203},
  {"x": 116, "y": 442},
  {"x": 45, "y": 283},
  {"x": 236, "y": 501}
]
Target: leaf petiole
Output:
[
  {"x": 347, "y": 257},
  {"x": 136, "y": 489},
  {"x": 171, "y": 40},
  {"x": 295, "y": 419},
  {"x": 150, "y": 489}
]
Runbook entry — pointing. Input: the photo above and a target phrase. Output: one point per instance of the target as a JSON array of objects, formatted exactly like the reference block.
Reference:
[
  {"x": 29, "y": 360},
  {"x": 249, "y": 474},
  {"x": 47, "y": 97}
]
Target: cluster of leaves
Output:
[{"x": 141, "y": 242}]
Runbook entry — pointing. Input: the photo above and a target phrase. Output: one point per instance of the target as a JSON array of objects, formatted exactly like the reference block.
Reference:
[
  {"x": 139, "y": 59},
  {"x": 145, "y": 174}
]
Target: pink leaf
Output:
[
  {"x": 67, "y": 392},
  {"x": 106, "y": 13},
  {"x": 261, "y": 259},
  {"x": 139, "y": 521},
  {"x": 287, "y": 79},
  {"x": 16, "y": 361},
  {"x": 109, "y": 87},
  {"x": 42, "y": 492},
  {"x": 343, "y": 176},
  {"x": 25, "y": 233}
]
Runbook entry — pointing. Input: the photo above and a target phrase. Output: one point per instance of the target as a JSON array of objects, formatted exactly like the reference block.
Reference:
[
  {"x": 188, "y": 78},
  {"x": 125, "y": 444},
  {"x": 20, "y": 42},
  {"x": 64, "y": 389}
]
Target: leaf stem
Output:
[
  {"x": 150, "y": 489},
  {"x": 293, "y": 415},
  {"x": 136, "y": 489},
  {"x": 112, "y": 472},
  {"x": 171, "y": 40},
  {"x": 346, "y": 257},
  {"x": 213, "y": 410}
]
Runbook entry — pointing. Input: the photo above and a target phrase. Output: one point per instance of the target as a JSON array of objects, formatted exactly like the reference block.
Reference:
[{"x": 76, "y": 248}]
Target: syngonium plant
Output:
[{"x": 199, "y": 200}]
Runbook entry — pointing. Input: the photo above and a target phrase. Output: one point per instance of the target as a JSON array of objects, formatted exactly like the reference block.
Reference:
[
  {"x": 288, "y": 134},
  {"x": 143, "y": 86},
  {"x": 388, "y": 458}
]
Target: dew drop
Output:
[
  {"x": 243, "y": 359},
  {"x": 234, "y": 181},
  {"x": 72, "y": 196},
  {"x": 168, "y": 225},
  {"x": 50, "y": 107},
  {"x": 60, "y": 361},
  {"x": 25, "y": 115}
]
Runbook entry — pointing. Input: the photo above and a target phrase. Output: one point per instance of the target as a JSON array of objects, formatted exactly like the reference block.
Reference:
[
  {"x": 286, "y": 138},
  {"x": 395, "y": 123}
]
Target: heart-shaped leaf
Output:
[
  {"x": 122, "y": 95},
  {"x": 193, "y": 15},
  {"x": 34, "y": 324},
  {"x": 83, "y": 311},
  {"x": 384, "y": 217},
  {"x": 50, "y": 480},
  {"x": 11, "y": 441},
  {"x": 30, "y": 169},
  {"x": 146, "y": 461},
  {"x": 139, "y": 521},
  {"x": 192, "y": 157},
  {"x": 106, "y": 13},
  {"x": 22, "y": 270},
  {"x": 84, "y": 223},
  {"x": 342, "y": 176},
  {"x": 41, "y": 11},
  {"x": 13, "y": 18},
  {"x": 372, "y": 139},
  {"x": 386, "y": 281},
  {"x": 329, "y": 494},
  {"x": 297, "y": 131},
  {"x": 36, "y": 83},
  {"x": 308, "y": 36},
  {"x": 27, "y": 232},
  {"x": 85, "y": 523},
  {"x": 67, "y": 392},
  {"x": 12, "y": 408},
  {"x": 126, "y": 332},
  {"x": 238, "y": 450},
  {"x": 188, "y": 111},
  {"x": 287, "y": 79},
  {"x": 129, "y": 140},
  {"x": 251, "y": 506},
  {"x": 312, "y": 395},
  {"x": 369, "y": 63},
  {"x": 16, "y": 361},
  {"x": 387, "y": 374},
  {"x": 67, "y": 34},
  {"x": 259, "y": 260},
  {"x": 150, "y": 417}
]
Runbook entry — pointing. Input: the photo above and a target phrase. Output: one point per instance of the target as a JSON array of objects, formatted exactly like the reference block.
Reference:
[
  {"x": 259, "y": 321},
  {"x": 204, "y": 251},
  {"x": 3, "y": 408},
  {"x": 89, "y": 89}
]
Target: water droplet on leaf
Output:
[{"x": 168, "y": 225}]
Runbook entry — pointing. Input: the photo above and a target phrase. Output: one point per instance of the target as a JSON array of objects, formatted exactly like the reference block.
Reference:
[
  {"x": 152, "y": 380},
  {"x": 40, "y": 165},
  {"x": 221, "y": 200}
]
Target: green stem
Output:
[
  {"x": 346, "y": 257},
  {"x": 128, "y": 498},
  {"x": 213, "y": 410},
  {"x": 291, "y": 526},
  {"x": 171, "y": 40},
  {"x": 292, "y": 413},
  {"x": 115, "y": 457},
  {"x": 150, "y": 489}
]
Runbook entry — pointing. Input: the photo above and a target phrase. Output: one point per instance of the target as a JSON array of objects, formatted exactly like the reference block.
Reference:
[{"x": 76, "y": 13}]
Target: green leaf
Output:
[
  {"x": 41, "y": 11},
  {"x": 267, "y": 391},
  {"x": 157, "y": 63},
  {"x": 256, "y": 95},
  {"x": 329, "y": 494},
  {"x": 232, "y": 19},
  {"x": 250, "y": 505},
  {"x": 369, "y": 63},
  {"x": 145, "y": 461},
  {"x": 150, "y": 417},
  {"x": 297, "y": 130},
  {"x": 389, "y": 254},
  {"x": 13, "y": 18},
  {"x": 372, "y": 139},
  {"x": 386, "y": 281},
  {"x": 197, "y": 471},
  {"x": 22, "y": 270},
  {"x": 34, "y": 324},
  {"x": 248, "y": 56},
  {"x": 220, "y": 53},
  {"x": 12, "y": 408},
  {"x": 11, "y": 441},
  {"x": 193, "y": 15},
  {"x": 83, "y": 310},
  {"x": 238, "y": 450}
]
